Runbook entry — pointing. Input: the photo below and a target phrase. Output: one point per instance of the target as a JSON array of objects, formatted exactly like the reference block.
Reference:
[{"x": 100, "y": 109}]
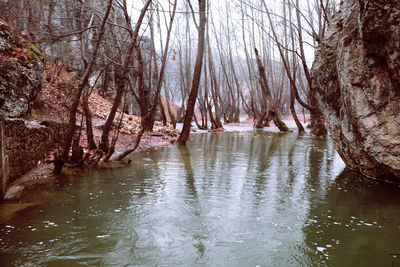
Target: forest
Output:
[
  {"x": 306, "y": 90},
  {"x": 202, "y": 57}
]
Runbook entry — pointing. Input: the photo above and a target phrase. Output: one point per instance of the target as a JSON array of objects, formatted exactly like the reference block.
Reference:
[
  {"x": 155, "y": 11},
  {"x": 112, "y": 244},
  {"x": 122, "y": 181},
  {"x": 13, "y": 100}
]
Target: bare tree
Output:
[
  {"x": 184, "y": 136},
  {"x": 273, "y": 112},
  {"x": 122, "y": 71},
  {"x": 148, "y": 119},
  {"x": 61, "y": 159},
  {"x": 294, "y": 62}
]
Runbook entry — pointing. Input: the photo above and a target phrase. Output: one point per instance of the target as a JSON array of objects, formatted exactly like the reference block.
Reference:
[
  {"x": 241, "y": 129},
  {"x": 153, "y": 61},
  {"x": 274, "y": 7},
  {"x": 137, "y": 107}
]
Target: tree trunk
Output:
[
  {"x": 163, "y": 114},
  {"x": 162, "y": 73},
  {"x": 167, "y": 99},
  {"x": 273, "y": 112},
  {"x": 293, "y": 111},
  {"x": 77, "y": 150},
  {"x": 184, "y": 136},
  {"x": 104, "y": 144},
  {"x": 294, "y": 67},
  {"x": 89, "y": 126}
]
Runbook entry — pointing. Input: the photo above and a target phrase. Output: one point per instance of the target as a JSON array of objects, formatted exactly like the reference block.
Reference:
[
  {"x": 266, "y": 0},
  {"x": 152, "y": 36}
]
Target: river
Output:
[{"x": 246, "y": 198}]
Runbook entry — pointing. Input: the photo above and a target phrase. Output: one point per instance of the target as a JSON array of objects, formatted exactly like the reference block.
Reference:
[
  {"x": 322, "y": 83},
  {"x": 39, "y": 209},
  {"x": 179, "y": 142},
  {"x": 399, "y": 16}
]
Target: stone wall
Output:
[{"x": 23, "y": 144}]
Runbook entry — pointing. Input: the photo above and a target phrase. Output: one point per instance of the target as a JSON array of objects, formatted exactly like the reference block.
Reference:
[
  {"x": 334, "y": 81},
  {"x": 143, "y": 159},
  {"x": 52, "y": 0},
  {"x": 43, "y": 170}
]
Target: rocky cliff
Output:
[
  {"x": 22, "y": 143},
  {"x": 21, "y": 68},
  {"x": 356, "y": 76}
]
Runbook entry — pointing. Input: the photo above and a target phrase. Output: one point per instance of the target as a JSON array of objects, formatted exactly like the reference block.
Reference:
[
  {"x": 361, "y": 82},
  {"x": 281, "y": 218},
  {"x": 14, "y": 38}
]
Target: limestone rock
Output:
[
  {"x": 356, "y": 76},
  {"x": 21, "y": 68}
]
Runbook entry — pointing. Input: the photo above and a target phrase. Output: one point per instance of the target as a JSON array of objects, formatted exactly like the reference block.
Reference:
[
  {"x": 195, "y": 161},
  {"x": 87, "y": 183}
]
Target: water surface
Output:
[{"x": 232, "y": 199}]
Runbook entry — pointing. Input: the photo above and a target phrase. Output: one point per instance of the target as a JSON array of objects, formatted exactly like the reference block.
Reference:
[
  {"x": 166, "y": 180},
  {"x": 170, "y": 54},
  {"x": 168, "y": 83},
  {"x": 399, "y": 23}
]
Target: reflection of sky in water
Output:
[{"x": 235, "y": 199}]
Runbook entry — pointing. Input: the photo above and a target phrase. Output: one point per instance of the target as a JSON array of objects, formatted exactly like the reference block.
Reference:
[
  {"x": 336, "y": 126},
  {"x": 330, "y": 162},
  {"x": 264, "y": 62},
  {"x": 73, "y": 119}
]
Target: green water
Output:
[{"x": 232, "y": 199}]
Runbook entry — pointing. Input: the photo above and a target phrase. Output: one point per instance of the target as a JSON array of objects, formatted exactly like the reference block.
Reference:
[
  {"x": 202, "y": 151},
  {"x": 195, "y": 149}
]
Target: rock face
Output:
[
  {"x": 356, "y": 76},
  {"x": 22, "y": 143},
  {"x": 21, "y": 68}
]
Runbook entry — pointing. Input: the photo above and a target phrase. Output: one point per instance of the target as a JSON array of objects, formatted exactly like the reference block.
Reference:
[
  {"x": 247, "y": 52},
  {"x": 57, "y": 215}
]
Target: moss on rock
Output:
[
  {"x": 33, "y": 53},
  {"x": 21, "y": 73},
  {"x": 9, "y": 39}
]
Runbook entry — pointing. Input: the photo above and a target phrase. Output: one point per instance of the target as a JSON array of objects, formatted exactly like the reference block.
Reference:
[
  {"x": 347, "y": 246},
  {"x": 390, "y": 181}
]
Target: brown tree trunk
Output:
[
  {"x": 317, "y": 121},
  {"x": 213, "y": 88},
  {"x": 143, "y": 95},
  {"x": 104, "y": 144},
  {"x": 77, "y": 150},
  {"x": 163, "y": 114},
  {"x": 293, "y": 111},
  {"x": 184, "y": 136},
  {"x": 294, "y": 67},
  {"x": 89, "y": 126},
  {"x": 273, "y": 112}
]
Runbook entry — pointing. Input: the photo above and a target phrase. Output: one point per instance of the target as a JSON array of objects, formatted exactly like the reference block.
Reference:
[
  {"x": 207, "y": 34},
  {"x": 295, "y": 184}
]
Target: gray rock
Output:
[
  {"x": 356, "y": 76},
  {"x": 21, "y": 74}
]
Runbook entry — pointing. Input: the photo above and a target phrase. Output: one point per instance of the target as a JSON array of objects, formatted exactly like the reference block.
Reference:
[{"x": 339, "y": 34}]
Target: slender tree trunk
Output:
[
  {"x": 89, "y": 126},
  {"x": 184, "y": 136},
  {"x": 167, "y": 99},
  {"x": 104, "y": 144},
  {"x": 317, "y": 122},
  {"x": 284, "y": 62},
  {"x": 213, "y": 86},
  {"x": 294, "y": 67},
  {"x": 163, "y": 114}
]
